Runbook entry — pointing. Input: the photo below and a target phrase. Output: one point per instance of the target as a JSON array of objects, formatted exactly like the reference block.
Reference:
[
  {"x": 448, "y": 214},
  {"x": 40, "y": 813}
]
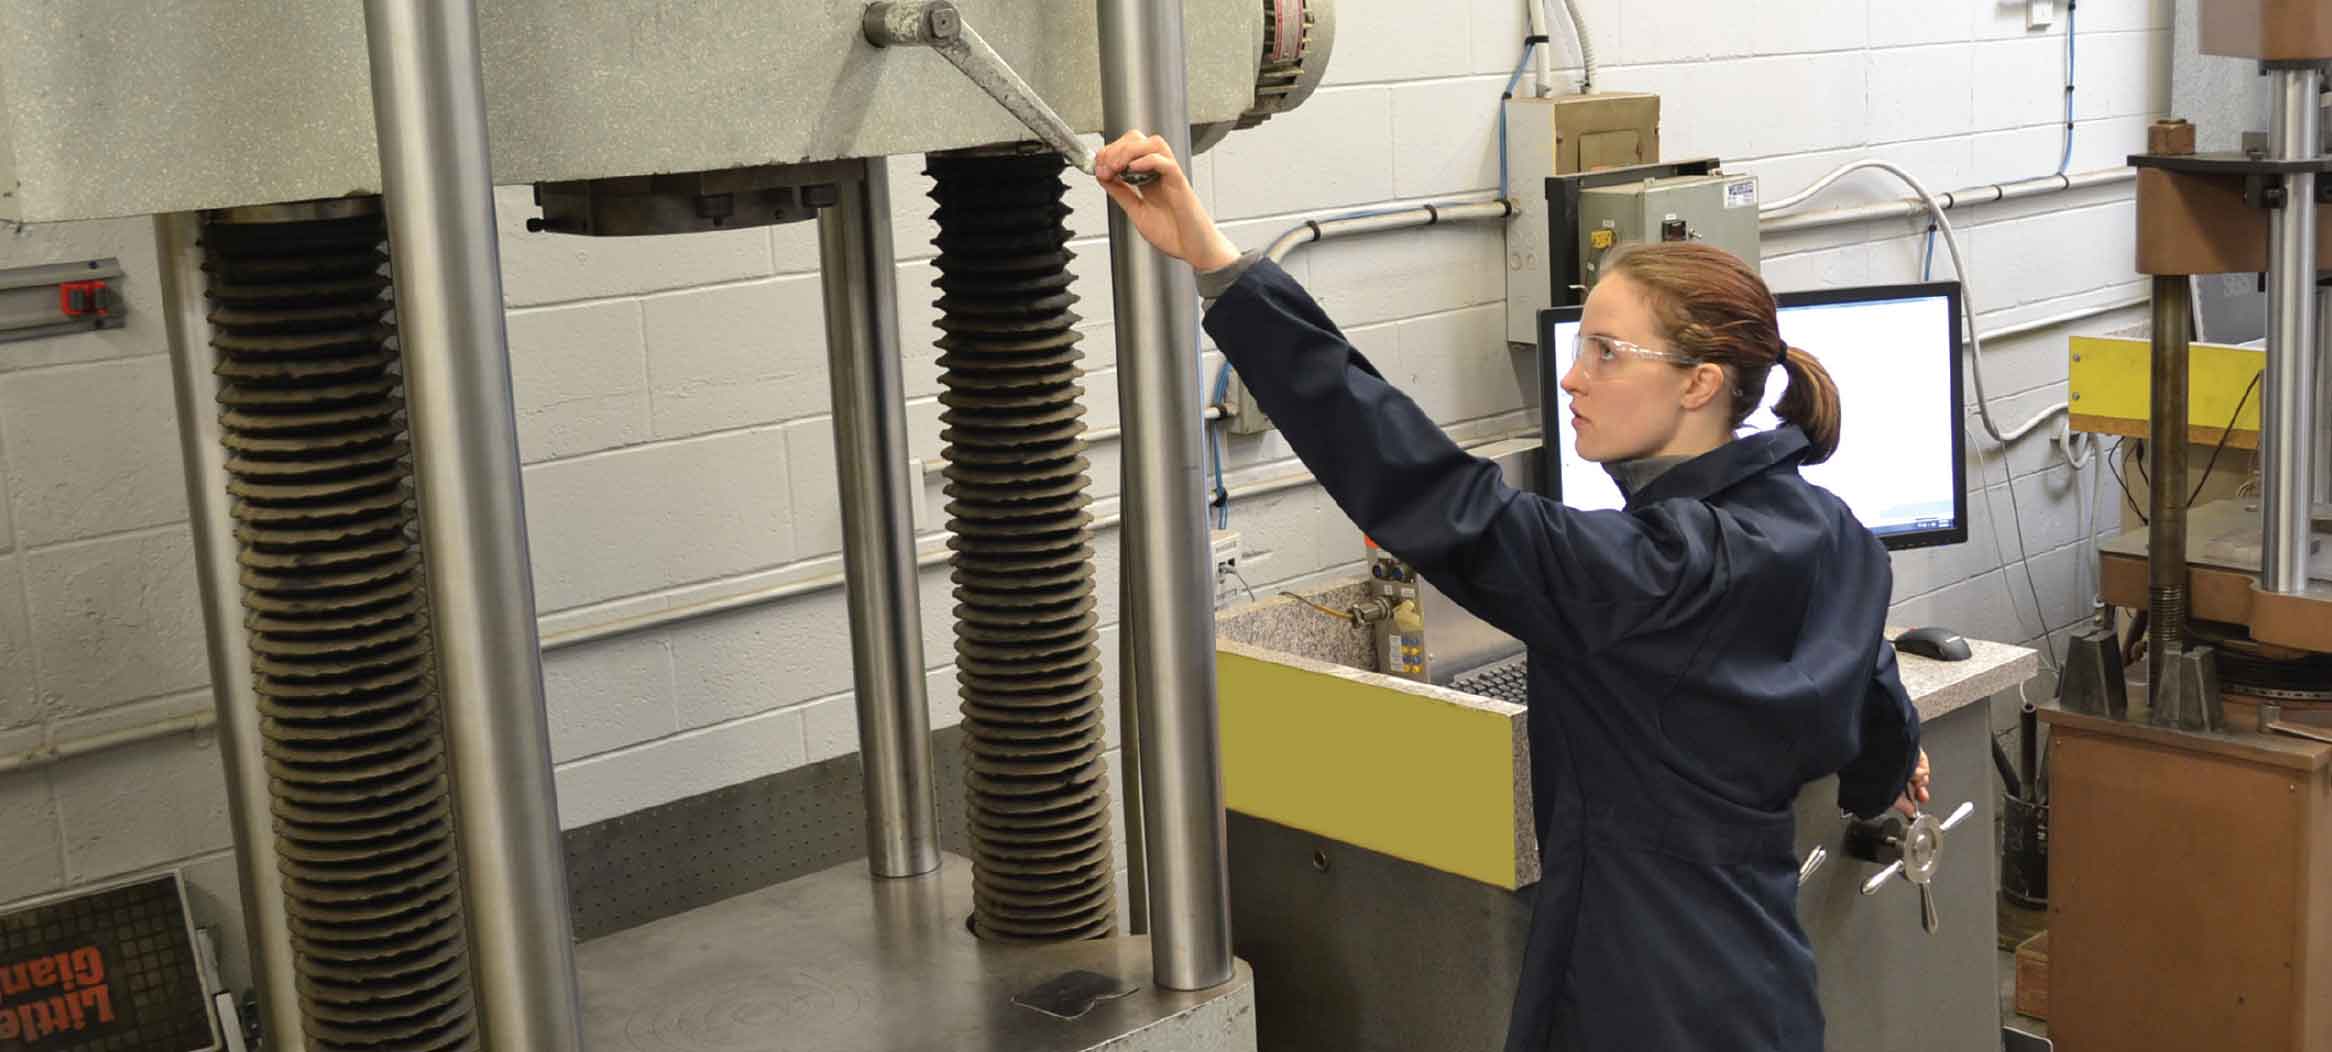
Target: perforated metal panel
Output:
[{"x": 652, "y": 864}]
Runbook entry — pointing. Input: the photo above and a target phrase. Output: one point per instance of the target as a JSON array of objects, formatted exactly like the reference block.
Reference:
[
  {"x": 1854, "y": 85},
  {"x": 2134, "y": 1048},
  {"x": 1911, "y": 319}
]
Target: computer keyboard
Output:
[{"x": 1507, "y": 681}]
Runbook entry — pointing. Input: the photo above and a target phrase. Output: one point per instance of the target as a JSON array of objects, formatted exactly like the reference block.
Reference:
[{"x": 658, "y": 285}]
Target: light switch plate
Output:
[{"x": 2040, "y": 14}]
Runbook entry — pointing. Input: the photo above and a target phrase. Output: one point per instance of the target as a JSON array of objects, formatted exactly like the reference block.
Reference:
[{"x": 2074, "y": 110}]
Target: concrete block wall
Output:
[{"x": 672, "y": 399}]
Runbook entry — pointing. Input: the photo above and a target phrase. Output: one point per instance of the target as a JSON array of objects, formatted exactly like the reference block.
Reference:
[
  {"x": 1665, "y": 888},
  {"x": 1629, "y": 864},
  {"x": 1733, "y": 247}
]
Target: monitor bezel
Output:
[{"x": 1551, "y": 434}]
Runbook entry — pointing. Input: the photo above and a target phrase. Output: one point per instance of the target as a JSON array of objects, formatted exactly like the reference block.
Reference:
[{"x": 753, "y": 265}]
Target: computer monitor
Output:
[{"x": 1894, "y": 352}]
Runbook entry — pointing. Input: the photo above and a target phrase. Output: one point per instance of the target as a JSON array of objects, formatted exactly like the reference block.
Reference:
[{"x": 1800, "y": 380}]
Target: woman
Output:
[{"x": 1695, "y": 660}]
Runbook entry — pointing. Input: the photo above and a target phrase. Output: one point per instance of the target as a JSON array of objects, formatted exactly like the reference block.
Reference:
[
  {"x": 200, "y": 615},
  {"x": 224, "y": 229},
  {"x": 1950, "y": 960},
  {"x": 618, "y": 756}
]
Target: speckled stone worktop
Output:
[
  {"x": 1278, "y": 624},
  {"x": 1939, "y": 688},
  {"x": 1273, "y": 722}
]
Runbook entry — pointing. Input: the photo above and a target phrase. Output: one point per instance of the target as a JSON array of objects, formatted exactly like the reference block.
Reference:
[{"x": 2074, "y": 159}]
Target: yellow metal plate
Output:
[
  {"x": 2112, "y": 388},
  {"x": 1345, "y": 756}
]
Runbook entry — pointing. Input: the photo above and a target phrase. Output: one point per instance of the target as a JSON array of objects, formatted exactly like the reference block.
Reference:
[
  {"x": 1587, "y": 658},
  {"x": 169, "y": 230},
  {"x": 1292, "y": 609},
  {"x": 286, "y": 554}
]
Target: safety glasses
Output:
[{"x": 1599, "y": 357}]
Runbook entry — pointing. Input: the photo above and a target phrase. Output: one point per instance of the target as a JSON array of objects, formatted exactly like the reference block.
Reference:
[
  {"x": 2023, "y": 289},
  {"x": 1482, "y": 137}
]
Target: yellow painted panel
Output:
[
  {"x": 2112, "y": 377},
  {"x": 1407, "y": 776}
]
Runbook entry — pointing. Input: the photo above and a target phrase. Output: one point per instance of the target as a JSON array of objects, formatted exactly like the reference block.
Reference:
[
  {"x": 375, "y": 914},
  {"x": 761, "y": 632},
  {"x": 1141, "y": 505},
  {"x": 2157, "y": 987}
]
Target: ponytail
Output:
[
  {"x": 1810, "y": 403},
  {"x": 1714, "y": 307}
]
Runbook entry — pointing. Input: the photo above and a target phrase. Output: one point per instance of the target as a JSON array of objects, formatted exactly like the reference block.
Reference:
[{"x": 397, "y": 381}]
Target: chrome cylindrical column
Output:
[
  {"x": 878, "y": 528},
  {"x": 2287, "y": 432},
  {"x": 193, "y": 362},
  {"x": 2322, "y": 462},
  {"x": 1169, "y": 606},
  {"x": 429, "y": 110}
]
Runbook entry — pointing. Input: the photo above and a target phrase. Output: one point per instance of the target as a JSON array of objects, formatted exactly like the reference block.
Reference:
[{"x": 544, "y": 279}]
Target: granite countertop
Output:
[
  {"x": 1277, "y": 625},
  {"x": 1939, "y": 688}
]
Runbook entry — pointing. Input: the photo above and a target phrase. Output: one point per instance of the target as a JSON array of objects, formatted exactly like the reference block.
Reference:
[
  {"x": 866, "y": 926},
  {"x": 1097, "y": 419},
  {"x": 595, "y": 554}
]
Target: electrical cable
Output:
[
  {"x": 1342, "y": 615},
  {"x": 2224, "y": 433},
  {"x": 1505, "y": 177},
  {"x": 2208, "y": 467},
  {"x": 2004, "y": 439},
  {"x": 1242, "y": 579},
  {"x": 1586, "y": 42},
  {"x": 2040, "y": 611},
  {"x": 2066, "y": 160},
  {"x": 1959, "y": 266},
  {"x": 1541, "y": 25},
  {"x": 2123, "y": 480}
]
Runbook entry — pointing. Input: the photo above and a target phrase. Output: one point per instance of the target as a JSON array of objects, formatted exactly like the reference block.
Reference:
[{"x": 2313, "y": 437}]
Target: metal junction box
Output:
[
  {"x": 1716, "y": 208},
  {"x": 1554, "y": 136}
]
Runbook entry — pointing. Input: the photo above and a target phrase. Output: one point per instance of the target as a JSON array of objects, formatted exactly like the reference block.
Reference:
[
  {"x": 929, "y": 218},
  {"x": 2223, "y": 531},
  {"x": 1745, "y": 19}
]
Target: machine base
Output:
[
  {"x": 840, "y": 962},
  {"x": 1359, "y": 951}
]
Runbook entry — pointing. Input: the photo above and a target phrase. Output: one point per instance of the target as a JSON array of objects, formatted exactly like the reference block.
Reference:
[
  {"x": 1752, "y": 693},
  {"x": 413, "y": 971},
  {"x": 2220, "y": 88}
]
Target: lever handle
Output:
[
  {"x": 1959, "y": 814},
  {"x": 1813, "y": 862},
  {"x": 940, "y": 26},
  {"x": 1872, "y": 886},
  {"x": 1927, "y": 917}
]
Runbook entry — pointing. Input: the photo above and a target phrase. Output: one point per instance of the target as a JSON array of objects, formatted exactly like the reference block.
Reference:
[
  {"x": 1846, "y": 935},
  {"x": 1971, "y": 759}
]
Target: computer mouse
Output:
[{"x": 1942, "y": 644}]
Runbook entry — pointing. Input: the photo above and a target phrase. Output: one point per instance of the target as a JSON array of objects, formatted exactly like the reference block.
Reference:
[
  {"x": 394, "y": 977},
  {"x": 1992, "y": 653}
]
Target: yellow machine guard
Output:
[
  {"x": 1399, "y": 768},
  {"x": 2112, "y": 388}
]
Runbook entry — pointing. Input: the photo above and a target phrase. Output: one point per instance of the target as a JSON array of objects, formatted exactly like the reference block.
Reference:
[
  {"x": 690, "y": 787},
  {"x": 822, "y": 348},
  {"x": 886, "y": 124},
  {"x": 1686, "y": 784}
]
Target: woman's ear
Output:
[{"x": 1706, "y": 381}]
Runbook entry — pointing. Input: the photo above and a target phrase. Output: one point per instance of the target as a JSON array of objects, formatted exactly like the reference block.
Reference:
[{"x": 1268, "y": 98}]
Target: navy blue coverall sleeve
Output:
[
  {"x": 1537, "y": 570},
  {"x": 1870, "y": 783}
]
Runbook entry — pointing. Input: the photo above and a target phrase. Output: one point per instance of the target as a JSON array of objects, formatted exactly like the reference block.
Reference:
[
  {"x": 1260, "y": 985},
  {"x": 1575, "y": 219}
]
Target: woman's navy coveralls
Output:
[{"x": 1695, "y": 661}]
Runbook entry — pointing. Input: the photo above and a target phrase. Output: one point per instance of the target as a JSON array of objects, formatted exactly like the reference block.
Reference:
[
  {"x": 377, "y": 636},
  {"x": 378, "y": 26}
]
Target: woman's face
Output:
[{"x": 1625, "y": 407}]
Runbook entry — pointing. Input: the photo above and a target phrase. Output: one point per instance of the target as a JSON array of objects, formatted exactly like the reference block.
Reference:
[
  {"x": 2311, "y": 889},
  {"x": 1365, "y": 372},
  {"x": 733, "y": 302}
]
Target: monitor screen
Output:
[{"x": 1894, "y": 352}]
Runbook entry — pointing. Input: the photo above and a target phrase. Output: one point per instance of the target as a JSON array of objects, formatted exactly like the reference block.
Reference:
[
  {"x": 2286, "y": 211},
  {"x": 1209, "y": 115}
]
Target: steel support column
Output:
[
  {"x": 1169, "y": 605},
  {"x": 429, "y": 111},
  {"x": 266, "y": 925},
  {"x": 2287, "y": 431},
  {"x": 878, "y": 528}
]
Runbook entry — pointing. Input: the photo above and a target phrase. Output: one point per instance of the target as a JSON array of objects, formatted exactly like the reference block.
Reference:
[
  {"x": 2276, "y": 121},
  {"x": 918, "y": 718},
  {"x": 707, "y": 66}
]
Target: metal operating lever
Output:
[
  {"x": 1910, "y": 851},
  {"x": 936, "y": 24}
]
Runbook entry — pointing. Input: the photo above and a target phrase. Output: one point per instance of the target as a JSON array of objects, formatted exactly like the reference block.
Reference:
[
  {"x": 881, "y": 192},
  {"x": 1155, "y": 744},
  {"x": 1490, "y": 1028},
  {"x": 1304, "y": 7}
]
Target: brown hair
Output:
[{"x": 1714, "y": 307}]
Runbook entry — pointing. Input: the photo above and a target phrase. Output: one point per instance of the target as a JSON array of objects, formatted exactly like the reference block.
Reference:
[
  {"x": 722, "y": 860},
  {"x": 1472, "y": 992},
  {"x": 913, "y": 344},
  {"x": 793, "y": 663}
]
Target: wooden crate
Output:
[{"x": 2032, "y": 977}]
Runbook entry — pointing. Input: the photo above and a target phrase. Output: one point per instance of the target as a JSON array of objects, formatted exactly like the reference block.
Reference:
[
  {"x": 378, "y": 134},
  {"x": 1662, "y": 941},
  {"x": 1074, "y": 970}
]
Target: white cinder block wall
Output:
[{"x": 672, "y": 400}]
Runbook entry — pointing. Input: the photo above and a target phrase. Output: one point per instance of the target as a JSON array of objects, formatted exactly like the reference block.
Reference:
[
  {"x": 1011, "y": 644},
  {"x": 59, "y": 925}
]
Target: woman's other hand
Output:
[
  {"x": 1916, "y": 795},
  {"x": 1167, "y": 212}
]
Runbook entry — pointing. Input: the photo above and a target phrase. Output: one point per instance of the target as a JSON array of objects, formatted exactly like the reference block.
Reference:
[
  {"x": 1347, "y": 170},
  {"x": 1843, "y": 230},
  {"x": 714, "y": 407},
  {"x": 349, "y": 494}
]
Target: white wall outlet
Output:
[
  {"x": 1228, "y": 587},
  {"x": 2040, "y": 14}
]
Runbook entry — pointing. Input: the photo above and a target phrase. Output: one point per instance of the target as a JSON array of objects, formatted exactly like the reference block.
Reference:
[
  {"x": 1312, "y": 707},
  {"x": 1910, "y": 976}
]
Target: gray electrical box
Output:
[{"x": 1718, "y": 209}]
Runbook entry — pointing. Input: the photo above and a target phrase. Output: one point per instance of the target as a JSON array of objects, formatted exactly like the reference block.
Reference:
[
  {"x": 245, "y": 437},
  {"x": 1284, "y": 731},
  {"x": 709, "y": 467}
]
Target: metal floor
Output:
[{"x": 839, "y": 962}]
